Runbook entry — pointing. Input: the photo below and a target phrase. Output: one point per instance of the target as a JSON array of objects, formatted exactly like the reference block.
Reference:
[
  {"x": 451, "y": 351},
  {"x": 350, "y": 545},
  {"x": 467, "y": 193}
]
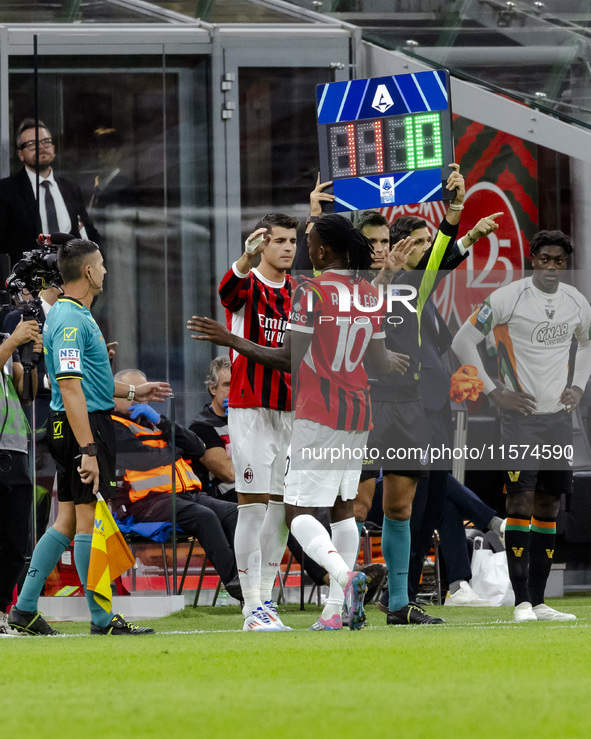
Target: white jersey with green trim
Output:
[{"x": 533, "y": 332}]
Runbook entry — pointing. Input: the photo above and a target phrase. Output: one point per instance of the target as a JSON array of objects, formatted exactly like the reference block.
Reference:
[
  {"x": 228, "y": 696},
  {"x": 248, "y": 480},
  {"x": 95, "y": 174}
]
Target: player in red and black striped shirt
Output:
[
  {"x": 337, "y": 354},
  {"x": 257, "y": 302}
]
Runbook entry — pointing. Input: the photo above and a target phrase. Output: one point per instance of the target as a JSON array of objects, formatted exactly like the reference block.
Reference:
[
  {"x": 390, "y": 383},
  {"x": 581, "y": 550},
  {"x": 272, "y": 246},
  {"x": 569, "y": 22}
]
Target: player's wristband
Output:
[
  {"x": 89, "y": 449},
  {"x": 312, "y": 219},
  {"x": 131, "y": 393},
  {"x": 453, "y": 206}
]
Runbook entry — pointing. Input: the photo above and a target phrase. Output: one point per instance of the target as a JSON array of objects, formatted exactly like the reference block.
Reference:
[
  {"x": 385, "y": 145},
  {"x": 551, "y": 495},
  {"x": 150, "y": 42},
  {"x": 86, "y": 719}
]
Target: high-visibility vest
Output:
[{"x": 158, "y": 479}]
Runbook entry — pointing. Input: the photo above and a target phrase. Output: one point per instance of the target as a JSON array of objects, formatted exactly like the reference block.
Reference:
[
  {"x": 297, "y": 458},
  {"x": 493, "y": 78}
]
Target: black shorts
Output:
[
  {"x": 398, "y": 440},
  {"x": 65, "y": 451},
  {"x": 543, "y": 444}
]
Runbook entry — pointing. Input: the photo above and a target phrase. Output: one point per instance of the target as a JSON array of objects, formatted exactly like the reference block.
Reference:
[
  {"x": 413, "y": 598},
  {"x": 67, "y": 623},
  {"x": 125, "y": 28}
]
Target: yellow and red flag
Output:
[{"x": 109, "y": 555}]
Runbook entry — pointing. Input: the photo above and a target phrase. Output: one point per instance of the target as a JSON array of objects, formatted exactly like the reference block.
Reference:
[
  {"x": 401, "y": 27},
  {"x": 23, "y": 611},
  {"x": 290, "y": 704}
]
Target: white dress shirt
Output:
[{"x": 63, "y": 217}]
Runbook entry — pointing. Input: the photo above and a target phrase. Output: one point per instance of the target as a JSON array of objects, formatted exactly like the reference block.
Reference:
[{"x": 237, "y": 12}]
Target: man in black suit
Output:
[{"x": 61, "y": 205}]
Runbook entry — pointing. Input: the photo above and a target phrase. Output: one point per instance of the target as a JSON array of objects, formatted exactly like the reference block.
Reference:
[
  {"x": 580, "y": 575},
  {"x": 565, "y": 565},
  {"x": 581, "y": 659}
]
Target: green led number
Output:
[
  {"x": 409, "y": 143},
  {"x": 427, "y": 140}
]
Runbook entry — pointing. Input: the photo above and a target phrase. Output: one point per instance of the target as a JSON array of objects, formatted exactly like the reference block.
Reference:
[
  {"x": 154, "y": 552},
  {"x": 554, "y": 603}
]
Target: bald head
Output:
[{"x": 130, "y": 377}]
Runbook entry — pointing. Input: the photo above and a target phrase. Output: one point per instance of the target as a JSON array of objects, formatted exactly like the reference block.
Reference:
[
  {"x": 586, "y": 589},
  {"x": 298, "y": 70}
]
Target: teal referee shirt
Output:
[{"x": 75, "y": 349}]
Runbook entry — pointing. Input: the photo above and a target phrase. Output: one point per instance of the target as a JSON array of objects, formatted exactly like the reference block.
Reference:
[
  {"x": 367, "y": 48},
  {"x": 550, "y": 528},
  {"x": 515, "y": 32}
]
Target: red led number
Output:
[
  {"x": 351, "y": 148},
  {"x": 379, "y": 146}
]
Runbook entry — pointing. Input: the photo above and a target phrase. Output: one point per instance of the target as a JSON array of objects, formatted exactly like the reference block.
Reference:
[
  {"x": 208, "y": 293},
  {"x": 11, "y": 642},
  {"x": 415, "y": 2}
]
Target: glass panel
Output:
[
  {"x": 74, "y": 11},
  {"x": 230, "y": 11},
  {"x": 278, "y": 139},
  {"x": 135, "y": 139},
  {"x": 536, "y": 53}
]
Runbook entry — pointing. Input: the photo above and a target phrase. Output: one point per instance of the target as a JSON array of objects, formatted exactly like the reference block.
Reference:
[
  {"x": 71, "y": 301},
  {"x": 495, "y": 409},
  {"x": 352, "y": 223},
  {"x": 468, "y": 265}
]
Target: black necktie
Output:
[
  {"x": 96, "y": 193},
  {"x": 52, "y": 224}
]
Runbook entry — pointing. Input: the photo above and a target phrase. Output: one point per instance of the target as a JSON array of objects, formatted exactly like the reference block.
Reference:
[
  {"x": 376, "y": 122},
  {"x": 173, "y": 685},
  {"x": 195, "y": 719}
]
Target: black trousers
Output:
[
  {"x": 16, "y": 496},
  {"x": 210, "y": 520}
]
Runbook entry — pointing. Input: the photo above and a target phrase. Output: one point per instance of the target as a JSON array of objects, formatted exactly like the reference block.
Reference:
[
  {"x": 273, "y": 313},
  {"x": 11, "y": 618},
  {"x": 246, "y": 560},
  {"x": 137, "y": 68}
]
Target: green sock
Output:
[
  {"x": 396, "y": 551},
  {"x": 82, "y": 544},
  {"x": 48, "y": 551},
  {"x": 360, "y": 525}
]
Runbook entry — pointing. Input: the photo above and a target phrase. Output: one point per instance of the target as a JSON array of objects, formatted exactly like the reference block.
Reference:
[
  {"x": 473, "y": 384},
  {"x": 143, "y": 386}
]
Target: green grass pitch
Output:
[{"x": 480, "y": 675}]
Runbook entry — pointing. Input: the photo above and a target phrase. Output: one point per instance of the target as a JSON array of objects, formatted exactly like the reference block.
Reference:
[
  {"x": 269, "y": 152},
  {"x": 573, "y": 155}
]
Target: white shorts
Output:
[
  {"x": 260, "y": 439},
  {"x": 320, "y": 486}
]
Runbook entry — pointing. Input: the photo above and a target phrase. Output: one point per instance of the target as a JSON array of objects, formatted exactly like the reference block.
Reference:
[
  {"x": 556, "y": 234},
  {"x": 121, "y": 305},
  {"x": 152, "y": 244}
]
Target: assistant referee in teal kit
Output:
[{"x": 80, "y": 434}]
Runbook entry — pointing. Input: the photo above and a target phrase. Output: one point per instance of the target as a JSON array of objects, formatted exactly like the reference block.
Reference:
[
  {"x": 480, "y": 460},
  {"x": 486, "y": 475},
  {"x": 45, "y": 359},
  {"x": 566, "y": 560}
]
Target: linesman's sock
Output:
[
  {"x": 82, "y": 545},
  {"x": 48, "y": 551}
]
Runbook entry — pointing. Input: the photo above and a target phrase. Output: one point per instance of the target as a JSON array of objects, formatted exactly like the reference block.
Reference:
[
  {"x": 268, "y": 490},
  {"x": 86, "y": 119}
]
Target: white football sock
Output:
[
  {"x": 247, "y": 547},
  {"x": 345, "y": 537},
  {"x": 316, "y": 543},
  {"x": 274, "y": 535}
]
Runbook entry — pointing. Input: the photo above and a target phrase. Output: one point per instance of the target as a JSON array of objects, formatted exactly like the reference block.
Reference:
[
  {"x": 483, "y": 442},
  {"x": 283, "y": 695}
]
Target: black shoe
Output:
[
  {"x": 30, "y": 622},
  {"x": 375, "y": 575},
  {"x": 233, "y": 588},
  {"x": 412, "y": 614},
  {"x": 118, "y": 626},
  {"x": 382, "y": 604}
]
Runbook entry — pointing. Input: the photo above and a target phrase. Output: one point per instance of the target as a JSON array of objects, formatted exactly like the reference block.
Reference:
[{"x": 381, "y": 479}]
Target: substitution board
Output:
[{"x": 386, "y": 140}]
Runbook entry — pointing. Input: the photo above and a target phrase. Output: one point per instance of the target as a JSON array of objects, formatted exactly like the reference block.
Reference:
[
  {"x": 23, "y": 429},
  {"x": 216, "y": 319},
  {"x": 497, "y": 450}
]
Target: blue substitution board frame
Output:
[{"x": 386, "y": 140}]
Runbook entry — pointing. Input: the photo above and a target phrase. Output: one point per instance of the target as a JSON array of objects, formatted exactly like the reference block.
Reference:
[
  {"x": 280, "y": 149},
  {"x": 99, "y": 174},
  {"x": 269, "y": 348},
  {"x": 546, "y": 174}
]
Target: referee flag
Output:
[{"x": 109, "y": 555}]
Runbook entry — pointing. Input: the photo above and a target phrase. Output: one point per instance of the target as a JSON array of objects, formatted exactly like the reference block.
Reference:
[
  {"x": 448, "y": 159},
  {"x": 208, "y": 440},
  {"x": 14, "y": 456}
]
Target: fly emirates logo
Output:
[{"x": 274, "y": 329}]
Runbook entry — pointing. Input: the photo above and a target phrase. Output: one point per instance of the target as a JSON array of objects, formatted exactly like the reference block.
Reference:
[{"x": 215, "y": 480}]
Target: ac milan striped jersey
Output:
[
  {"x": 332, "y": 386},
  {"x": 257, "y": 309}
]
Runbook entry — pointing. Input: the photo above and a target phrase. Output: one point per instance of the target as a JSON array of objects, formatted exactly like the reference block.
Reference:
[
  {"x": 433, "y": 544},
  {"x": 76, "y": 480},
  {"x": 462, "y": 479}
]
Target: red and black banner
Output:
[{"x": 501, "y": 173}]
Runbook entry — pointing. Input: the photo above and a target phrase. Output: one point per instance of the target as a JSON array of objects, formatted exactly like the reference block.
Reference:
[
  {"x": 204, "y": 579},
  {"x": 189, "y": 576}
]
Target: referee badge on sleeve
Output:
[{"x": 70, "y": 360}]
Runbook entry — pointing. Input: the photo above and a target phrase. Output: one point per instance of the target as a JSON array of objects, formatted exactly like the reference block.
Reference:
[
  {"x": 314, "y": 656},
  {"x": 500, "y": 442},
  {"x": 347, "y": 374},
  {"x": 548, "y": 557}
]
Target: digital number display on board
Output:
[{"x": 386, "y": 140}]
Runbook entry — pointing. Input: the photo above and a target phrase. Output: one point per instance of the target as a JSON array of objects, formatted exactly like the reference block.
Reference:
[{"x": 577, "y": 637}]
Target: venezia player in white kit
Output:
[
  {"x": 328, "y": 346},
  {"x": 534, "y": 321}
]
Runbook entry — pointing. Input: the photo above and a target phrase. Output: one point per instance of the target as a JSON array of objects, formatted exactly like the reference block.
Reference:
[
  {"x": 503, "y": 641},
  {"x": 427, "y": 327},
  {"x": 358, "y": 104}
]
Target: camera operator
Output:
[
  {"x": 47, "y": 298},
  {"x": 16, "y": 489},
  {"x": 37, "y": 413}
]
